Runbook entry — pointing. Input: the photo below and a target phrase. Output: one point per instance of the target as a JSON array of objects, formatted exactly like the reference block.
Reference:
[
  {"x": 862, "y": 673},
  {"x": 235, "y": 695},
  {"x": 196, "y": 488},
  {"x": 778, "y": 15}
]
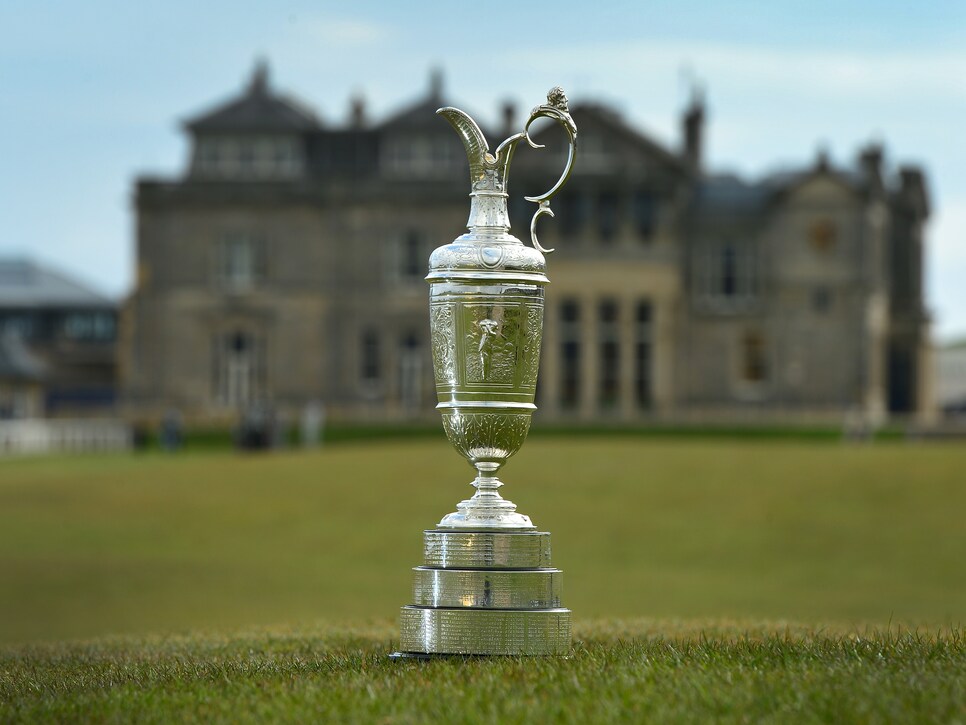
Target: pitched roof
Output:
[
  {"x": 258, "y": 109},
  {"x": 26, "y": 284},
  {"x": 423, "y": 111},
  {"x": 613, "y": 122},
  {"x": 727, "y": 193}
]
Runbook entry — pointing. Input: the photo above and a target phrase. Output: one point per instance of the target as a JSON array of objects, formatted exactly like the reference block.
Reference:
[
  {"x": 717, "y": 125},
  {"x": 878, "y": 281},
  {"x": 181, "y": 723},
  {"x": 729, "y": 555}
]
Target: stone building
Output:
[
  {"x": 286, "y": 266},
  {"x": 57, "y": 345}
]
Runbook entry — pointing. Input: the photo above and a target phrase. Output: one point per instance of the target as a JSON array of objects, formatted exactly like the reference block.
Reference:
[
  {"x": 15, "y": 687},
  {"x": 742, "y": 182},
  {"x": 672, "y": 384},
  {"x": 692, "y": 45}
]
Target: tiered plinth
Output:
[{"x": 485, "y": 593}]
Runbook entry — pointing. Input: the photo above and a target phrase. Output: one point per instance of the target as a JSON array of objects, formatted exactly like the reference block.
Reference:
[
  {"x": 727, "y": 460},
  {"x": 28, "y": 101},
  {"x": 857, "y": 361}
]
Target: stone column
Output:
[
  {"x": 589, "y": 358},
  {"x": 627, "y": 324},
  {"x": 662, "y": 355}
]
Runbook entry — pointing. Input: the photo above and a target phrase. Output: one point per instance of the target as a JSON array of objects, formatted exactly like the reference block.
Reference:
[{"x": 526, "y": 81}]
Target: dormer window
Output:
[
  {"x": 248, "y": 157},
  {"x": 422, "y": 155}
]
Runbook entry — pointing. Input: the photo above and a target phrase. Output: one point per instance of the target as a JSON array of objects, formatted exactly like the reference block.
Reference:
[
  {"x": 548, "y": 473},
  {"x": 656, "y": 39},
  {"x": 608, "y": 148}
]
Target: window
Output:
[
  {"x": 821, "y": 299},
  {"x": 570, "y": 354},
  {"x": 23, "y": 325},
  {"x": 89, "y": 326},
  {"x": 822, "y": 235},
  {"x": 246, "y": 156},
  {"x": 410, "y": 372},
  {"x": 754, "y": 368},
  {"x": 726, "y": 275},
  {"x": 371, "y": 369},
  {"x": 645, "y": 215},
  {"x": 266, "y": 156},
  {"x": 239, "y": 373},
  {"x": 729, "y": 272},
  {"x": 609, "y": 354},
  {"x": 209, "y": 153},
  {"x": 520, "y": 212},
  {"x": 608, "y": 216},
  {"x": 241, "y": 261},
  {"x": 572, "y": 213},
  {"x": 642, "y": 355},
  {"x": 413, "y": 263},
  {"x": 422, "y": 155}
]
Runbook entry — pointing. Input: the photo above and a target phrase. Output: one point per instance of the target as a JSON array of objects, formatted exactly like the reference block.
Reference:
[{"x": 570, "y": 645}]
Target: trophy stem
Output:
[
  {"x": 486, "y": 482},
  {"x": 486, "y": 509}
]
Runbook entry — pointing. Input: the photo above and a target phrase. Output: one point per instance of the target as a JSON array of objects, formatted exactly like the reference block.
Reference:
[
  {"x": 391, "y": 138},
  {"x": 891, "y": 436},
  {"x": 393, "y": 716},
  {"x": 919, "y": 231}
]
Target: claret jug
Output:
[{"x": 486, "y": 585}]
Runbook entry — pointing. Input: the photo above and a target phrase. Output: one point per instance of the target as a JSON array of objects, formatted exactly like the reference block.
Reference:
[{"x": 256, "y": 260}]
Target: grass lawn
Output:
[
  {"x": 683, "y": 559},
  {"x": 620, "y": 672},
  {"x": 806, "y": 532}
]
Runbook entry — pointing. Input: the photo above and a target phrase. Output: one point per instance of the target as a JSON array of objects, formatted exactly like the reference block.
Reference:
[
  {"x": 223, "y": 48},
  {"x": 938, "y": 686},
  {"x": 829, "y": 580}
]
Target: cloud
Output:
[
  {"x": 866, "y": 75},
  {"x": 344, "y": 32}
]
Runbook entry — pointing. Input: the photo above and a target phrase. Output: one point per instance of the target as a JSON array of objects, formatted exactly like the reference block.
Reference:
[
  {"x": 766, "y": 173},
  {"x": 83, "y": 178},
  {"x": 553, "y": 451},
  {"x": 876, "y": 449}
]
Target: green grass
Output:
[
  {"x": 619, "y": 672},
  {"x": 216, "y": 586},
  {"x": 753, "y": 530}
]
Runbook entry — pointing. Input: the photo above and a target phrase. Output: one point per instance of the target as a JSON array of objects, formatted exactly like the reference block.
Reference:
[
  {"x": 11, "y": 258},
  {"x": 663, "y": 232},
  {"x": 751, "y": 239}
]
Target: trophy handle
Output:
[{"x": 556, "y": 108}]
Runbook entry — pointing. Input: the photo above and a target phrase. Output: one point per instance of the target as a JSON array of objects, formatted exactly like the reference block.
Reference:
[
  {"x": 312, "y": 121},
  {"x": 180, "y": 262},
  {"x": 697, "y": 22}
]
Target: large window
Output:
[
  {"x": 571, "y": 213},
  {"x": 422, "y": 155},
  {"x": 25, "y": 325},
  {"x": 371, "y": 368},
  {"x": 608, "y": 216},
  {"x": 726, "y": 274},
  {"x": 241, "y": 261},
  {"x": 410, "y": 372},
  {"x": 609, "y": 335},
  {"x": 570, "y": 354},
  {"x": 645, "y": 214},
  {"x": 89, "y": 326},
  {"x": 411, "y": 257},
  {"x": 642, "y": 355},
  {"x": 248, "y": 157}
]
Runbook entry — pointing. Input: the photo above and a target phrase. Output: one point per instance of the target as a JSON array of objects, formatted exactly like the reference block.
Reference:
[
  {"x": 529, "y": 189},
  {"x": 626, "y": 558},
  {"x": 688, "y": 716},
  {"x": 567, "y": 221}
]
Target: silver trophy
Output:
[{"x": 486, "y": 585}]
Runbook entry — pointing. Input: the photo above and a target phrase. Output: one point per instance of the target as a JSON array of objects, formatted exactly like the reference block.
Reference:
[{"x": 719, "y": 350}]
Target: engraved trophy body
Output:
[{"x": 486, "y": 586}]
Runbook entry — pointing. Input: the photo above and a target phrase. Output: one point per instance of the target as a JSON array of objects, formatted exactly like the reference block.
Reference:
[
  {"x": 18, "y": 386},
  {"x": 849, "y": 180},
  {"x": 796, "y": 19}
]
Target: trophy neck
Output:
[{"x": 488, "y": 213}]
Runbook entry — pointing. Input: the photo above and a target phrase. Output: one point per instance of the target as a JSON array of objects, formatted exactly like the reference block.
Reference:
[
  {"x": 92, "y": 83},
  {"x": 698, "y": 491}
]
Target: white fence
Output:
[{"x": 60, "y": 436}]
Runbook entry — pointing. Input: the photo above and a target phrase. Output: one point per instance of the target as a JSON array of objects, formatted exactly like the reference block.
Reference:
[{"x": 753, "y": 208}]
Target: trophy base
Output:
[
  {"x": 428, "y": 630},
  {"x": 485, "y": 592}
]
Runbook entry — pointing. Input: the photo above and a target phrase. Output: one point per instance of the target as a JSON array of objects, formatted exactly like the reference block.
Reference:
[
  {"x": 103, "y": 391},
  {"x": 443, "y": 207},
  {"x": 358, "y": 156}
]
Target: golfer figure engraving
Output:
[
  {"x": 489, "y": 328},
  {"x": 486, "y": 586}
]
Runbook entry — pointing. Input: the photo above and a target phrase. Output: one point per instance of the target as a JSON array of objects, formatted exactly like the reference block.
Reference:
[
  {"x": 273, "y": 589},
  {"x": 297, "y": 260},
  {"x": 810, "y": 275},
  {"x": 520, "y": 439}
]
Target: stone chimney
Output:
[
  {"x": 912, "y": 188},
  {"x": 822, "y": 162},
  {"x": 258, "y": 86},
  {"x": 693, "y": 128},
  {"x": 508, "y": 112},
  {"x": 871, "y": 165},
  {"x": 436, "y": 83},
  {"x": 357, "y": 112}
]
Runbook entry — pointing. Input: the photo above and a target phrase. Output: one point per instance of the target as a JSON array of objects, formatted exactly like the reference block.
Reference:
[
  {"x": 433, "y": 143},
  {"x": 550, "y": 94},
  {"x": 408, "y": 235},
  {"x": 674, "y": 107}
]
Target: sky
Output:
[{"x": 92, "y": 94}]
